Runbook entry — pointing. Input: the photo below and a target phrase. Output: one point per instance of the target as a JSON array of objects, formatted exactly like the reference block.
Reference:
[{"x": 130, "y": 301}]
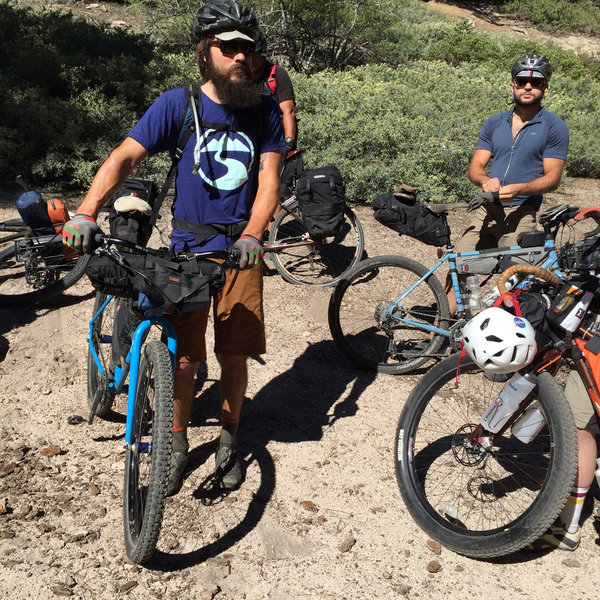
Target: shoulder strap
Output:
[
  {"x": 186, "y": 130},
  {"x": 271, "y": 81}
]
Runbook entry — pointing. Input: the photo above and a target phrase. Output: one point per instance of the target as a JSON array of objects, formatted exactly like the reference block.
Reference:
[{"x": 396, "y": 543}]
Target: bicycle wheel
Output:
[
  {"x": 368, "y": 334},
  {"x": 147, "y": 461},
  {"x": 319, "y": 263},
  {"x": 100, "y": 395},
  {"x": 476, "y": 500},
  {"x": 37, "y": 274}
]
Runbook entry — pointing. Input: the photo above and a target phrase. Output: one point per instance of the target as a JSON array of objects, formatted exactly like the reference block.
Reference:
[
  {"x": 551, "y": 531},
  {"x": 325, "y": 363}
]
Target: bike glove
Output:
[
  {"x": 79, "y": 232},
  {"x": 484, "y": 198},
  {"x": 250, "y": 251}
]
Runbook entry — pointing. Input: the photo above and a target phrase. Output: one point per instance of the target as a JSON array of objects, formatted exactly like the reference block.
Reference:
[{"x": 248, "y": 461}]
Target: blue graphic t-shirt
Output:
[{"x": 224, "y": 187}]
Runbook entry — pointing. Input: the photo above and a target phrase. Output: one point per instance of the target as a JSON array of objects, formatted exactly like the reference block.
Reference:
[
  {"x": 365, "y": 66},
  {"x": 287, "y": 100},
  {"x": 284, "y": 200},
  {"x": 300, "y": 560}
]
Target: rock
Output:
[
  {"x": 61, "y": 590},
  {"x": 8, "y": 468},
  {"x": 434, "y": 566},
  {"x": 557, "y": 578},
  {"x": 94, "y": 489},
  {"x": 347, "y": 544},
  {"x": 571, "y": 562},
  {"x": 128, "y": 586},
  {"x": 309, "y": 505},
  {"x": 434, "y": 546},
  {"x": 50, "y": 451}
]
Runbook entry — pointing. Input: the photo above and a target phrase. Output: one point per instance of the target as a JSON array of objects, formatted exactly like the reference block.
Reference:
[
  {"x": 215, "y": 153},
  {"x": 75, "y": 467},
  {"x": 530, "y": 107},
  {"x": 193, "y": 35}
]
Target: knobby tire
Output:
[{"x": 147, "y": 462}]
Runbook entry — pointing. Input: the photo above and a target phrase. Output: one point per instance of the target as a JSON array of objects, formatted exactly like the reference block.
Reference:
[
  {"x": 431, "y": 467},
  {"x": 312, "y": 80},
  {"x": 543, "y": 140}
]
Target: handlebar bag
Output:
[
  {"x": 321, "y": 198},
  {"x": 168, "y": 284},
  {"x": 403, "y": 213}
]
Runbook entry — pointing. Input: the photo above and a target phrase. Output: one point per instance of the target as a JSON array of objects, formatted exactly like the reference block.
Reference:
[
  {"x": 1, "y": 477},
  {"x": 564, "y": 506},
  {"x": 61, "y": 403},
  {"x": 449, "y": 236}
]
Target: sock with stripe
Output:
[{"x": 571, "y": 513}]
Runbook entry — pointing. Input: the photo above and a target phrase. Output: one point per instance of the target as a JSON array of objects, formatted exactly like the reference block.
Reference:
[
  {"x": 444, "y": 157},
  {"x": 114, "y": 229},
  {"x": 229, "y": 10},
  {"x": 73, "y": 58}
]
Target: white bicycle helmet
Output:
[{"x": 499, "y": 342}]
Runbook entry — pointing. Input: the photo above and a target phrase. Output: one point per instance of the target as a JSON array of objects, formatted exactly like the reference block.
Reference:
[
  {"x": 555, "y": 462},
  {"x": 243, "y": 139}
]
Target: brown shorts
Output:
[
  {"x": 579, "y": 401},
  {"x": 493, "y": 227},
  {"x": 238, "y": 319}
]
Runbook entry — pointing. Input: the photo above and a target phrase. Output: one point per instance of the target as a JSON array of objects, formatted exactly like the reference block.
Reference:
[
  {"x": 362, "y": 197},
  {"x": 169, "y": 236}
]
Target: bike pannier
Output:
[
  {"x": 403, "y": 213},
  {"x": 131, "y": 211},
  {"x": 321, "y": 198}
]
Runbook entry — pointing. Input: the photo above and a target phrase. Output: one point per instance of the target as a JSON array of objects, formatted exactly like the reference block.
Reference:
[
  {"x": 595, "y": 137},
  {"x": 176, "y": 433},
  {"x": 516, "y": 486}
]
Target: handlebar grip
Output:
[
  {"x": 539, "y": 272},
  {"x": 99, "y": 238}
]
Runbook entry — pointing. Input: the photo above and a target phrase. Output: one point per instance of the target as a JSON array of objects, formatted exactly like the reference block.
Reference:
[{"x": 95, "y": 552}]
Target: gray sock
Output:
[
  {"x": 229, "y": 434},
  {"x": 180, "y": 442}
]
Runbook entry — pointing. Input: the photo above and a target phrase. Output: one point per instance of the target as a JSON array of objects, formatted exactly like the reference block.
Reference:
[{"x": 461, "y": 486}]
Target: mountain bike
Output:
[
  {"x": 298, "y": 258},
  {"x": 486, "y": 494},
  {"x": 145, "y": 373},
  {"x": 33, "y": 264},
  {"x": 391, "y": 314}
]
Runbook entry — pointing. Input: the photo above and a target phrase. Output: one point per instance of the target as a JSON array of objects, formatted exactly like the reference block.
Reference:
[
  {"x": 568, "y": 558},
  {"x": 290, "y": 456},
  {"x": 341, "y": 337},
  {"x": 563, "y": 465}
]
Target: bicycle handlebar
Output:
[{"x": 539, "y": 272}]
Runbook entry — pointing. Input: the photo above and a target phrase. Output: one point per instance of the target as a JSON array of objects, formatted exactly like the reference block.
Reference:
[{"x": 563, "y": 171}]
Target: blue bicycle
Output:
[
  {"x": 391, "y": 314},
  {"x": 123, "y": 362}
]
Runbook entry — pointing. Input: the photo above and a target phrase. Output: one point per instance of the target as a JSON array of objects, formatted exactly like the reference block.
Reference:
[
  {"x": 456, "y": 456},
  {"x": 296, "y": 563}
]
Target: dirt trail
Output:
[{"x": 320, "y": 515}]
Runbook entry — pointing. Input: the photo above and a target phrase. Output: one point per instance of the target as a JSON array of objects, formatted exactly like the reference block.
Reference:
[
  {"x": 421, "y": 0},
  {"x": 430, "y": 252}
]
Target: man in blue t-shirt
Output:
[
  {"x": 524, "y": 151},
  {"x": 228, "y": 177}
]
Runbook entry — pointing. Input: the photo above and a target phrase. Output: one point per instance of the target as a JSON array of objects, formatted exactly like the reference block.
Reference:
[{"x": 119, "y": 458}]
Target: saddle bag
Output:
[
  {"x": 321, "y": 198},
  {"x": 402, "y": 212}
]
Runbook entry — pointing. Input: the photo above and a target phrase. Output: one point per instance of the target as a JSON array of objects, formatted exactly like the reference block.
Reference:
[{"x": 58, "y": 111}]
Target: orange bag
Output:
[{"x": 58, "y": 213}]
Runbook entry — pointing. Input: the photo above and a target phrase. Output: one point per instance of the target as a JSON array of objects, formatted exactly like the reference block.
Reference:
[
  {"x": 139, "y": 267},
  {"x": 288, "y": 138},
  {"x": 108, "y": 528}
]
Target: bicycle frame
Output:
[
  {"x": 549, "y": 262},
  {"x": 132, "y": 361}
]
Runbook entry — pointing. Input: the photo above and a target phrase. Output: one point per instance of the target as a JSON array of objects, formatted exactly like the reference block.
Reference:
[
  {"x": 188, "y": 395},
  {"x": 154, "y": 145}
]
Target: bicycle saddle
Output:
[{"x": 557, "y": 214}]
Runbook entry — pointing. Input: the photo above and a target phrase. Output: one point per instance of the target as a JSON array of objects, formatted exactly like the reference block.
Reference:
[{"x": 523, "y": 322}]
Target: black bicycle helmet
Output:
[
  {"x": 224, "y": 15},
  {"x": 532, "y": 62}
]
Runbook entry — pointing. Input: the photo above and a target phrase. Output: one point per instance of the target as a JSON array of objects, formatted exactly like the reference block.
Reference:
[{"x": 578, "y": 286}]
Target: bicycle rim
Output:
[
  {"x": 481, "y": 503},
  {"x": 372, "y": 337},
  {"x": 38, "y": 276},
  {"x": 320, "y": 263},
  {"x": 147, "y": 461},
  {"x": 99, "y": 394}
]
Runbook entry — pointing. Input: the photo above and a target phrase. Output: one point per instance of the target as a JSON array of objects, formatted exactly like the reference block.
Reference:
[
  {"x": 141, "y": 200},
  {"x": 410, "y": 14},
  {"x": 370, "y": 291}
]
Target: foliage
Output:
[
  {"x": 71, "y": 91},
  {"x": 559, "y": 16}
]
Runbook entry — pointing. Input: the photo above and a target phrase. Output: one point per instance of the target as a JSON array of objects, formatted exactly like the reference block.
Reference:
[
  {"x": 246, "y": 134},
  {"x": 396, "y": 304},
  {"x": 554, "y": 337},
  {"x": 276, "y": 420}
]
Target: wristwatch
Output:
[{"x": 289, "y": 143}]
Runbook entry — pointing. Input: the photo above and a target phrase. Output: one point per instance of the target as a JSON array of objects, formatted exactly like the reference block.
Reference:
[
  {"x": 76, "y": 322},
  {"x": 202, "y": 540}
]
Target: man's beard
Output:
[
  {"x": 535, "y": 102},
  {"x": 236, "y": 92}
]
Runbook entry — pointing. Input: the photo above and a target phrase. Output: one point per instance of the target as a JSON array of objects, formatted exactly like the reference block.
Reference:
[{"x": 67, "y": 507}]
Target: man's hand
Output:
[
  {"x": 484, "y": 198},
  {"x": 250, "y": 251},
  {"x": 79, "y": 232}
]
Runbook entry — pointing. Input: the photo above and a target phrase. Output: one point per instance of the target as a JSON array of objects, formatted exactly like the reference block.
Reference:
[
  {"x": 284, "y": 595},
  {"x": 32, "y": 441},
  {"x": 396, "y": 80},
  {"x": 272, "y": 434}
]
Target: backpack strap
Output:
[
  {"x": 271, "y": 81},
  {"x": 186, "y": 130}
]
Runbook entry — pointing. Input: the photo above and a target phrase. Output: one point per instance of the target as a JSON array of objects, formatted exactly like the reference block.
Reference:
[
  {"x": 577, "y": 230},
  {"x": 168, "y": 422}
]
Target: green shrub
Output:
[{"x": 559, "y": 16}]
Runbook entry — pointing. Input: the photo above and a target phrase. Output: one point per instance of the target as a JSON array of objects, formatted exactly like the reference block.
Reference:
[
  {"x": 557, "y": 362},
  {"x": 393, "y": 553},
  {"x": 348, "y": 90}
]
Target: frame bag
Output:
[
  {"x": 402, "y": 212},
  {"x": 321, "y": 198}
]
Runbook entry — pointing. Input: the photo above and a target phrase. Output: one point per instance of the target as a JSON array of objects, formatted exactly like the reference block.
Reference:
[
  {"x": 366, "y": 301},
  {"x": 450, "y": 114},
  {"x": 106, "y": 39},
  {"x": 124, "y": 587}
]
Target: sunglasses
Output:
[
  {"x": 233, "y": 47},
  {"x": 535, "y": 82}
]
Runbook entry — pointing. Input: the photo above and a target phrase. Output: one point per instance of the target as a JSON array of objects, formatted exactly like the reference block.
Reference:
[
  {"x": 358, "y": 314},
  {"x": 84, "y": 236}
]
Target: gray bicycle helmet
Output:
[
  {"x": 223, "y": 16},
  {"x": 531, "y": 64}
]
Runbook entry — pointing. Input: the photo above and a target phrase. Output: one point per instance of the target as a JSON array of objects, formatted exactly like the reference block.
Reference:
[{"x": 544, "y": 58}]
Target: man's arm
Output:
[
  {"x": 288, "y": 112},
  {"x": 477, "y": 173},
  {"x": 267, "y": 196},
  {"x": 550, "y": 180},
  {"x": 111, "y": 175}
]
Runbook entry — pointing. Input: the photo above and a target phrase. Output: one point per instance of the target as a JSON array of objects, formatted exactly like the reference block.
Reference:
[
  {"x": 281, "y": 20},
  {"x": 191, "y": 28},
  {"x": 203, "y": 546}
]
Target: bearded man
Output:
[{"x": 227, "y": 188}]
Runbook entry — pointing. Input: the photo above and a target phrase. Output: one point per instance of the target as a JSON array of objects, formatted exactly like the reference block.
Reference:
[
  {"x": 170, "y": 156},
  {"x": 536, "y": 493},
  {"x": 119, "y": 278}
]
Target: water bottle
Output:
[
  {"x": 494, "y": 293},
  {"x": 501, "y": 409},
  {"x": 529, "y": 424},
  {"x": 474, "y": 293}
]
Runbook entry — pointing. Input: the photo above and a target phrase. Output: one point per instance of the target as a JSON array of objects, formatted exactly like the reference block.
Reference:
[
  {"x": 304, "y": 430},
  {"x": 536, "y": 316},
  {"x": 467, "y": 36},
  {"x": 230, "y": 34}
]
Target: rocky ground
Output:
[{"x": 320, "y": 515}]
